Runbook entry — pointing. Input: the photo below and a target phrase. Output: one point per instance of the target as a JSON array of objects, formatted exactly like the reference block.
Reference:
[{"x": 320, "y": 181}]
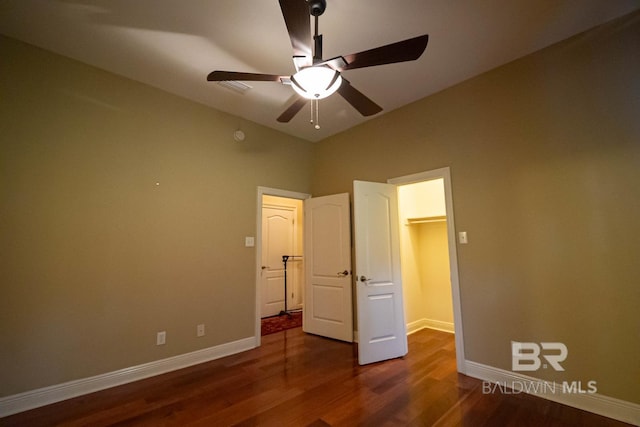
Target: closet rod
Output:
[{"x": 424, "y": 220}]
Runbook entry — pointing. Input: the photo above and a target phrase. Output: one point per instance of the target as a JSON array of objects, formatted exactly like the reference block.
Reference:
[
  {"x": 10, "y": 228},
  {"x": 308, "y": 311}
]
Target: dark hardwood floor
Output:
[{"x": 295, "y": 379}]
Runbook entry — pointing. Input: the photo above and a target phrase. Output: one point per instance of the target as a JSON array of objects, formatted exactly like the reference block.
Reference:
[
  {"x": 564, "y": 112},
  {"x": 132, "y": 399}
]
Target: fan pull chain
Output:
[
  {"x": 311, "y": 120},
  {"x": 315, "y": 116}
]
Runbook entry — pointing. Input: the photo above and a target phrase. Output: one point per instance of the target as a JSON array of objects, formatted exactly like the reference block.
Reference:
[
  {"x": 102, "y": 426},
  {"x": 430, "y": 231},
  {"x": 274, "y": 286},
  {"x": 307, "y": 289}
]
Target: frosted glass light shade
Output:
[{"x": 316, "y": 82}]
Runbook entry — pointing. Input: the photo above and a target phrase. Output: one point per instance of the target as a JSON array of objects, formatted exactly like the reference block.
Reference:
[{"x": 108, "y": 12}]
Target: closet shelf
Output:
[{"x": 423, "y": 220}]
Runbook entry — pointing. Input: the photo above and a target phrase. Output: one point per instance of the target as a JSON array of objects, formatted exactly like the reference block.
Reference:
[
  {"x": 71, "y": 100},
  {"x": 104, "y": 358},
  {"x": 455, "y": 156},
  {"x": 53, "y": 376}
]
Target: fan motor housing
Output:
[{"x": 317, "y": 7}]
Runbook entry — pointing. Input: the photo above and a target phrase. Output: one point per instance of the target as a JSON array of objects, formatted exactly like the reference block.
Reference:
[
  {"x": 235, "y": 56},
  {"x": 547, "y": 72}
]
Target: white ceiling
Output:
[{"x": 173, "y": 45}]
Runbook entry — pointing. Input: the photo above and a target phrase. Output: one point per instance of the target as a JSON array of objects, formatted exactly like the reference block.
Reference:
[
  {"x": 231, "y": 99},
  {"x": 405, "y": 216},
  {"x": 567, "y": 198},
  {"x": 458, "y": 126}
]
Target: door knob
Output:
[
  {"x": 343, "y": 273},
  {"x": 265, "y": 267},
  {"x": 364, "y": 279}
]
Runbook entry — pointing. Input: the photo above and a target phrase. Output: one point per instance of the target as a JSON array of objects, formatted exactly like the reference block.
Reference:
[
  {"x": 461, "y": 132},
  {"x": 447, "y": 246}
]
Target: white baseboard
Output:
[
  {"x": 44, "y": 396},
  {"x": 430, "y": 324},
  {"x": 593, "y": 402}
]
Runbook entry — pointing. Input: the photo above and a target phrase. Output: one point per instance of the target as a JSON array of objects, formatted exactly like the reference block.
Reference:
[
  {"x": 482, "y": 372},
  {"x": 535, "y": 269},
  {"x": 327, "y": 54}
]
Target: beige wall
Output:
[
  {"x": 545, "y": 161},
  {"x": 95, "y": 257}
]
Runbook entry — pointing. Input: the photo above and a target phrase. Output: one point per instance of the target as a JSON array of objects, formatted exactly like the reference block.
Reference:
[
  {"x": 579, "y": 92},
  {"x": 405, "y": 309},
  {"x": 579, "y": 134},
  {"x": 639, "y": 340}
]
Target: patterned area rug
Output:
[{"x": 275, "y": 324}]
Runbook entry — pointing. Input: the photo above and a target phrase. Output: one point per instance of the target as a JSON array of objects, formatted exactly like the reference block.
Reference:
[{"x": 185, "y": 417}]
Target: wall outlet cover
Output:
[{"x": 161, "y": 338}]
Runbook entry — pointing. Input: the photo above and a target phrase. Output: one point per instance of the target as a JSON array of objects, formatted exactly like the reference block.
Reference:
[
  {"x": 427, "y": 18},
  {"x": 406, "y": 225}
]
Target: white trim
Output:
[
  {"x": 438, "y": 325},
  {"x": 445, "y": 174},
  {"x": 593, "y": 402},
  {"x": 258, "y": 261},
  {"x": 44, "y": 396}
]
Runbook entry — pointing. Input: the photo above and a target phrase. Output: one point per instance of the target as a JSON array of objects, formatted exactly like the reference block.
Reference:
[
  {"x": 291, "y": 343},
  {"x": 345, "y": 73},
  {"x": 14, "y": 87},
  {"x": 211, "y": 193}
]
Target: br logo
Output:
[{"x": 526, "y": 356}]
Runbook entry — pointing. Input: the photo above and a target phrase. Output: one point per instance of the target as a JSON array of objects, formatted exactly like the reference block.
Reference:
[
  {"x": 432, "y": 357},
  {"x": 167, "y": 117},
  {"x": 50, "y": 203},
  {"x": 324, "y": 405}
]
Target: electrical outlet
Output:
[
  {"x": 200, "y": 330},
  {"x": 161, "y": 338}
]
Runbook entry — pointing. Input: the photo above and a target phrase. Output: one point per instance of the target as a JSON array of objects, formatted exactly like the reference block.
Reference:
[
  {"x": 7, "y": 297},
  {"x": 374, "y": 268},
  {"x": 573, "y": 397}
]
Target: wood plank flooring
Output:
[{"x": 296, "y": 379}]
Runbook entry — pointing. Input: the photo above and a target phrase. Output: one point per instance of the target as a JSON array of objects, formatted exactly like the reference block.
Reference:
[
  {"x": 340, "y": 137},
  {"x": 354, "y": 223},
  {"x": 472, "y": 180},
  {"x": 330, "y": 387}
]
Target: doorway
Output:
[
  {"x": 279, "y": 215},
  {"x": 425, "y": 256},
  {"x": 281, "y": 236},
  {"x": 429, "y": 258}
]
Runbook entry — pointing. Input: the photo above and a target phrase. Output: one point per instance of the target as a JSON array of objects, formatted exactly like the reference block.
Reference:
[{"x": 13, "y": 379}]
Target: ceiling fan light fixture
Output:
[{"x": 316, "y": 82}]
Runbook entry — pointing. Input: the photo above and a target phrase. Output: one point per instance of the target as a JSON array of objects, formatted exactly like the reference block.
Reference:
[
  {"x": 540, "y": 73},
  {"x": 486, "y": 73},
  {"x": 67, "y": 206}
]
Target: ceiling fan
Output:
[{"x": 316, "y": 78}]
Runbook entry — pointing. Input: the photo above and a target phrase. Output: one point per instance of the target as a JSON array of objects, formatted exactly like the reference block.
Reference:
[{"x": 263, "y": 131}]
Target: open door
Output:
[
  {"x": 328, "y": 309},
  {"x": 381, "y": 324}
]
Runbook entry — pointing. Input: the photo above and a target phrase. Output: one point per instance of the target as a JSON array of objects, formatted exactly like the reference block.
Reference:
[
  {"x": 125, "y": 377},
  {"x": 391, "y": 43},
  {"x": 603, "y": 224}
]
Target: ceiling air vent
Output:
[{"x": 235, "y": 86}]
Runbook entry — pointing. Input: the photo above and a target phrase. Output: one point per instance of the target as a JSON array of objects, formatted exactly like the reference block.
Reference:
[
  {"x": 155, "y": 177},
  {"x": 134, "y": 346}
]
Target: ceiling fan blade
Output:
[
  {"x": 298, "y": 20},
  {"x": 360, "y": 102},
  {"x": 218, "y": 76},
  {"x": 406, "y": 50},
  {"x": 292, "y": 110}
]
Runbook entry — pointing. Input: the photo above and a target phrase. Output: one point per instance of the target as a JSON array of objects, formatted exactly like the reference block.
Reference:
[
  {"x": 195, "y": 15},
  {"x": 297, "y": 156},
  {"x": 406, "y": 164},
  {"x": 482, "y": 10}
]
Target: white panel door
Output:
[
  {"x": 328, "y": 292},
  {"x": 381, "y": 324},
  {"x": 277, "y": 240}
]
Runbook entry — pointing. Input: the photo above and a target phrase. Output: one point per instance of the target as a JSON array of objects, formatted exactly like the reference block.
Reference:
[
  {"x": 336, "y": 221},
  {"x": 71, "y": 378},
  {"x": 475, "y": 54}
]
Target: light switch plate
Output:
[
  {"x": 462, "y": 238},
  {"x": 249, "y": 242}
]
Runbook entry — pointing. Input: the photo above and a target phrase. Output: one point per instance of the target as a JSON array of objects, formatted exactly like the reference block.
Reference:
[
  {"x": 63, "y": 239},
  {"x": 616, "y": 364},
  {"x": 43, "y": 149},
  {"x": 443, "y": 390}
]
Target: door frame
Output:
[
  {"x": 265, "y": 191},
  {"x": 445, "y": 174}
]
